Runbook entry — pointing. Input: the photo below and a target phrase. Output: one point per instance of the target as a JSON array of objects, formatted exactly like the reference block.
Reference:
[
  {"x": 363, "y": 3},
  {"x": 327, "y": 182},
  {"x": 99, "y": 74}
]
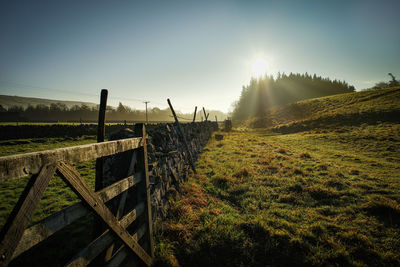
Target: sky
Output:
[{"x": 197, "y": 53}]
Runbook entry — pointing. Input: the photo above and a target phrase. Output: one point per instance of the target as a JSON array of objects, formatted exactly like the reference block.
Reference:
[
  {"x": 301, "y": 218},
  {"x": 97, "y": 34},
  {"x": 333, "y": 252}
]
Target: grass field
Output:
[
  {"x": 57, "y": 195},
  {"x": 319, "y": 187},
  {"x": 309, "y": 198}
]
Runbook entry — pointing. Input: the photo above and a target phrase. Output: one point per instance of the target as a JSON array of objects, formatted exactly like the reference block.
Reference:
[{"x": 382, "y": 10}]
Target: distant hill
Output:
[
  {"x": 368, "y": 106},
  {"x": 8, "y": 101}
]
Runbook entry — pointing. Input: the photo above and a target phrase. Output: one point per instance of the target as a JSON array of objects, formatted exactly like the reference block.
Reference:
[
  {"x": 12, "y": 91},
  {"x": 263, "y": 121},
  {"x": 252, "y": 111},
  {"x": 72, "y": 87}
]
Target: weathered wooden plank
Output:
[
  {"x": 85, "y": 256},
  {"x": 55, "y": 222},
  {"x": 119, "y": 187},
  {"x": 22, "y": 213},
  {"x": 76, "y": 182},
  {"x": 143, "y": 167},
  {"x": 48, "y": 226},
  {"x": 122, "y": 201},
  {"x": 122, "y": 252},
  {"x": 124, "y": 195},
  {"x": 17, "y": 166}
]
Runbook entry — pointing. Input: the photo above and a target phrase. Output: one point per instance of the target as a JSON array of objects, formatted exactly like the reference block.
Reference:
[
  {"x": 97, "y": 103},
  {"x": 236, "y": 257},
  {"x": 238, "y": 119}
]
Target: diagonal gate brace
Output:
[
  {"x": 77, "y": 184},
  {"x": 22, "y": 213}
]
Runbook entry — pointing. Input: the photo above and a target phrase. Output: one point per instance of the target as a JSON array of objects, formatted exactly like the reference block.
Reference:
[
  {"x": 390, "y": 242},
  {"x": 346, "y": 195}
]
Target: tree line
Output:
[
  {"x": 59, "y": 112},
  {"x": 267, "y": 91},
  {"x": 392, "y": 83}
]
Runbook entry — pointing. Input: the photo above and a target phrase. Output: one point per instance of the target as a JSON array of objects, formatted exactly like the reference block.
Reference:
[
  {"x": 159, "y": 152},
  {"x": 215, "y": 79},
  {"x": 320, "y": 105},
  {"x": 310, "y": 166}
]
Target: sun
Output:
[{"x": 259, "y": 67}]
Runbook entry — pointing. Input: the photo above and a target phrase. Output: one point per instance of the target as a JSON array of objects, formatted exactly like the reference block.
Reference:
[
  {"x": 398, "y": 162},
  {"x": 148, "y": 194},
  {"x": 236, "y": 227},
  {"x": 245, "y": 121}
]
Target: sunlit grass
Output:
[
  {"x": 350, "y": 109},
  {"x": 283, "y": 200}
]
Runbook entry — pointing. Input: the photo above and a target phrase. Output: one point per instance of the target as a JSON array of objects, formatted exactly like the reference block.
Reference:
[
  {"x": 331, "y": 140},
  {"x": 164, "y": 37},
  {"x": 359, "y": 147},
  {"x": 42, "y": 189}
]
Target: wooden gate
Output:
[{"x": 16, "y": 238}]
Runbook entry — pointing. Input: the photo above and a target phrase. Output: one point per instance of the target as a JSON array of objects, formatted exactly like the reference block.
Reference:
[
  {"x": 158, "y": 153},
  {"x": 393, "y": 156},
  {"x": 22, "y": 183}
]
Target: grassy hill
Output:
[
  {"x": 321, "y": 189},
  {"x": 370, "y": 107},
  {"x": 8, "y": 101}
]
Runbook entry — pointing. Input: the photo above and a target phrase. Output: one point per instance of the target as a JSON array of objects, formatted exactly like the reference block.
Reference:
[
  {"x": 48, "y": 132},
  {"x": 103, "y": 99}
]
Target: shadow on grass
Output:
[
  {"x": 387, "y": 211},
  {"x": 250, "y": 244}
]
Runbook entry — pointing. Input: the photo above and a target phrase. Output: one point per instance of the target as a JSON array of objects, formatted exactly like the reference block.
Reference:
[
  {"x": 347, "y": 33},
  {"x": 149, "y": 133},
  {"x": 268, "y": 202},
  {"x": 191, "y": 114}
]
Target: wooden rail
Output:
[
  {"x": 16, "y": 237},
  {"x": 17, "y": 166}
]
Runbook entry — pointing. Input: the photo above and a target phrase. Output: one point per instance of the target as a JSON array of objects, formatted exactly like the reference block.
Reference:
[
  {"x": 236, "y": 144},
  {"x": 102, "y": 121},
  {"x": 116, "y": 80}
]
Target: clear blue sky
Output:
[{"x": 194, "y": 52}]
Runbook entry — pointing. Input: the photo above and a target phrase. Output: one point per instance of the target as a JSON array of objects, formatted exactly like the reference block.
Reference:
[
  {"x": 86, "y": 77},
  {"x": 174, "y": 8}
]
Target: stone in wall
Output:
[{"x": 167, "y": 158}]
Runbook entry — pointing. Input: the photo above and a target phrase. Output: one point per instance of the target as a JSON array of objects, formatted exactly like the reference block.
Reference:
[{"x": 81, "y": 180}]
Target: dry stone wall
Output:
[{"x": 168, "y": 159}]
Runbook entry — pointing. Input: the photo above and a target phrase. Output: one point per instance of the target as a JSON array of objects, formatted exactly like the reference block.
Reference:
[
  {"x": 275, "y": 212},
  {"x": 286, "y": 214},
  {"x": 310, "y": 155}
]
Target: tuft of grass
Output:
[
  {"x": 335, "y": 183},
  {"x": 354, "y": 172},
  {"x": 386, "y": 210},
  {"x": 243, "y": 172},
  {"x": 319, "y": 192},
  {"x": 221, "y": 182},
  {"x": 282, "y": 151},
  {"x": 305, "y": 155},
  {"x": 297, "y": 171},
  {"x": 296, "y": 188}
]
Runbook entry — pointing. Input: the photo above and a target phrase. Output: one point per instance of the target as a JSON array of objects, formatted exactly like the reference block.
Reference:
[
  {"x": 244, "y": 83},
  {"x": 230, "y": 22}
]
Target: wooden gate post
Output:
[{"x": 144, "y": 187}]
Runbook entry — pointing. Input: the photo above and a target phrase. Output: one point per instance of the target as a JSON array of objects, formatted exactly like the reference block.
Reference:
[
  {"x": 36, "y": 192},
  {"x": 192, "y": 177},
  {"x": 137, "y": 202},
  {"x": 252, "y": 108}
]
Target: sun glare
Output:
[{"x": 259, "y": 67}]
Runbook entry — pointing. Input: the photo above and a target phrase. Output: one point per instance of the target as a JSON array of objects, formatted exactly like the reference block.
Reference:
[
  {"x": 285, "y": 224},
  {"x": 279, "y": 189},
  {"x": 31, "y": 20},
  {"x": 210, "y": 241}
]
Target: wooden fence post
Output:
[
  {"x": 100, "y": 138},
  {"x": 98, "y": 183},
  {"x": 227, "y": 125},
  {"x": 205, "y": 115},
  {"x": 194, "y": 115},
  {"x": 144, "y": 187},
  {"x": 180, "y": 132},
  {"x": 216, "y": 118}
]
